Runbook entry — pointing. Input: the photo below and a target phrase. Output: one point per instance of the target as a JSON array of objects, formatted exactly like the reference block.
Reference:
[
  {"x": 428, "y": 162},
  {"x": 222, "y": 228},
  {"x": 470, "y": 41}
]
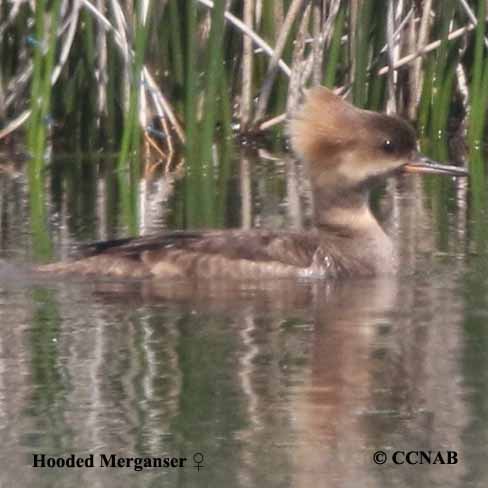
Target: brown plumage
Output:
[
  {"x": 346, "y": 150},
  {"x": 229, "y": 254}
]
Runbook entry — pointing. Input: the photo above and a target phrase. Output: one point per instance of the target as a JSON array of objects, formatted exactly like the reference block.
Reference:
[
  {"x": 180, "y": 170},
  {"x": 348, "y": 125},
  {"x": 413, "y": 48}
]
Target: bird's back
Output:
[{"x": 211, "y": 254}]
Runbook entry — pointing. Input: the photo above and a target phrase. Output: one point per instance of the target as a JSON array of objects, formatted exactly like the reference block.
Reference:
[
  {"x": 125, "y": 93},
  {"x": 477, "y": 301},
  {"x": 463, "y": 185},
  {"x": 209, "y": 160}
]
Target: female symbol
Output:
[{"x": 198, "y": 460}]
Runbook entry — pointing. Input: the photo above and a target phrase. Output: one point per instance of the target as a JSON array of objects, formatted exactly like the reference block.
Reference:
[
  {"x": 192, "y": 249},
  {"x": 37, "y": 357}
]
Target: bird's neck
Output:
[
  {"x": 347, "y": 226},
  {"x": 345, "y": 213}
]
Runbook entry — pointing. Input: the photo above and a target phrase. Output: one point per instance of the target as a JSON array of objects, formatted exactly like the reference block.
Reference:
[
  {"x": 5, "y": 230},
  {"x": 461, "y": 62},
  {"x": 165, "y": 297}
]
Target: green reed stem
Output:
[
  {"x": 479, "y": 83},
  {"x": 46, "y": 86},
  {"x": 335, "y": 49},
  {"x": 128, "y": 193},
  {"x": 443, "y": 74},
  {"x": 361, "y": 52},
  {"x": 478, "y": 200},
  {"x": 191, "y": 77},
  {"x": 214, "y": 70},
  {"x": 377, "y": 84},
  {"x": 426, "y": 97},
  {"x": 176, "y": 45},
  {"x": 38, "y": 102},
  {"x": 477, "y": 119},
  {"x": 442, "y": 104},
  {"x": 214, "y": 74},
  {"x": 40, "y": 106},
  {"x": 89, "y": 40},
  {"x": 226, "y": 153},
  {"x": 37, "y": 75},
  {"x": 131, "y": 134},
  {"x": 192, "y": 180},
  {"x": 41, "y": 243}
]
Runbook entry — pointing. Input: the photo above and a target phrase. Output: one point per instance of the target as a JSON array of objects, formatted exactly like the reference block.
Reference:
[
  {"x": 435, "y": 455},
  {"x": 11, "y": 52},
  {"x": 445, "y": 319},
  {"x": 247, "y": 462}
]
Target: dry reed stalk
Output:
[
  {"x": 267, "y": 124},
  {"x": 296, "y": 79},
  {"x": 247, "y": 66},
  {"x": 462, "y": 85},
  {"x": 258, "y": 11},
  {"x": 391, "y": 43},
  {"x": 246, "y": 193},
  {"x": 294, "y": 11},
  {"x": 102, "y": 59},
  {"x": 279, "y": 16},
  {"x": 15, "y": 124},
  {"x": 16, "y": 85},
  {"x": 472, "y": 16},
  {"x": 24, "y": 77},
  {"x": 316, "y": 57},
  {"x": 144, "y": 113},
  {"x": 411, "y": 108},
  {"x": 417, "y": 66},
  {"x": 316, "y": 51},
  {"x": 353, "y": 21},
  {"x": 149, "y": 140},
  {"x": 2, "y": 98},
  {"x": 294, "y": 207},
  {"x": 163, "y": 107},
  {"x": 426, "y": 49},
  {"x": 259, "y": 41},
  {"x": 169, "y": 141}
]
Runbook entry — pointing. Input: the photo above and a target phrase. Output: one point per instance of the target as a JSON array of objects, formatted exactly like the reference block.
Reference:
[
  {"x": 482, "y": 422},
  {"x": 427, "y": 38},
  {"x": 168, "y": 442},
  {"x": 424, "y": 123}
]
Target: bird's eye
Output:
[{"x": 388, "y": 146}]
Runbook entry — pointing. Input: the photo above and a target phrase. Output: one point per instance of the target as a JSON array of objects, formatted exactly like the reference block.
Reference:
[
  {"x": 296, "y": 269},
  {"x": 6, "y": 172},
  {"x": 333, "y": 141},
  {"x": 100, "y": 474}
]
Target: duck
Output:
[{"x": 347, "y": 151}]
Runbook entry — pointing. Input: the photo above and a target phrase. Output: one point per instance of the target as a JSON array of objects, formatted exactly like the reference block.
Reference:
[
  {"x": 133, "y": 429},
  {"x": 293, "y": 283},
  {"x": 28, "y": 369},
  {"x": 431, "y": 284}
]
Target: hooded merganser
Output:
[{"x": 346, "y": 150}]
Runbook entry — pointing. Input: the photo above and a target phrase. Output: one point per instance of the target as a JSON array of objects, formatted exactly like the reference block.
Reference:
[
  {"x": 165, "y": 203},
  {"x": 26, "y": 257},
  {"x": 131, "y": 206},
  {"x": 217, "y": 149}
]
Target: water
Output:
[{"x": 276, "y": 384}]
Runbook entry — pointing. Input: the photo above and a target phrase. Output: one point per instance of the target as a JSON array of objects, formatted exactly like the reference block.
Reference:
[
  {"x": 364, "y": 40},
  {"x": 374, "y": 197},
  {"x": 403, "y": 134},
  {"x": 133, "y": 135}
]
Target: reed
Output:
[
  {"x": 479, "y": 84},
  {"x": 361, "y": 24},
  {"x": 44, "y": 46},
  {"x": 333, "y": 56},
  {"x": 210, "y": 107},
  {"x": 131, "y": 133},
  {"x": 44, "y": 51}
]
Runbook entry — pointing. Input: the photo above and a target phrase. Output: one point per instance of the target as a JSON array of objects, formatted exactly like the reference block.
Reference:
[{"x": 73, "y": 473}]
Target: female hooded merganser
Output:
[{"x": 346, "y": 150}]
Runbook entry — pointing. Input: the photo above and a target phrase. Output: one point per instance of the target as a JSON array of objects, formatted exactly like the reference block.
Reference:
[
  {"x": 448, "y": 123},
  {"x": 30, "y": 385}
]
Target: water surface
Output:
[{"x": 277, "y": 384}]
